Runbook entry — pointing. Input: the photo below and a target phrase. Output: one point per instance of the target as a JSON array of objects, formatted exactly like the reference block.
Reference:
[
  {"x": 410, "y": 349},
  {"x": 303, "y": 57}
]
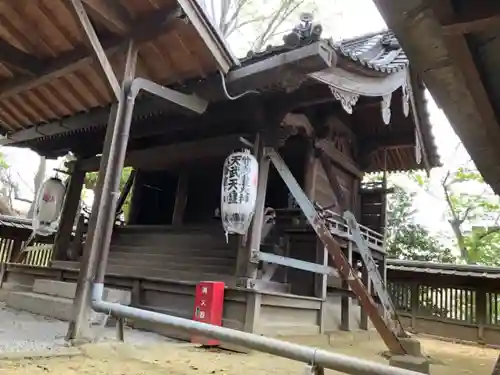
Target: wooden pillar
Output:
[
  {"x": 321, "y": 283},
  {"x": 135, "y": 199},
  {"x": 15, "y": 251},
  {"x": 415, "y": 299},
  {"x": 68, "y": 215},
  {"x": 311, "y": 170},
  {"x": 181, "y": 197},
  {"x": 345, "y": 301},
  {"x": 363, "y": 323},
  {"x": 481, "y": 315}
]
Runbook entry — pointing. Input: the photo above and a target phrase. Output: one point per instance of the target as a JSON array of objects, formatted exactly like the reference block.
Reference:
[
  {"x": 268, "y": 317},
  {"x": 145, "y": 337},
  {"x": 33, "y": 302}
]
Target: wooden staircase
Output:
[{"x": 189, "y": 254}]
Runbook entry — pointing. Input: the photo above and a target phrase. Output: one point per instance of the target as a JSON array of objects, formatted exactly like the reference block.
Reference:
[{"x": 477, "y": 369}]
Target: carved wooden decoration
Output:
[
  {"x": 406, "y": 98},
  {"x": 346, "y": 98},
  {"x": 418, "y": 148},
  {"x": 386, "y": 108}
]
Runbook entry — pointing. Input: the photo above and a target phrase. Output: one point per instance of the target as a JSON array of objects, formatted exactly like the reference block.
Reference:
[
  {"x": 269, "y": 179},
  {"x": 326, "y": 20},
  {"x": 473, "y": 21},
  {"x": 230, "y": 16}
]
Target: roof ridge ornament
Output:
[
  {"x": 347, "y": 99},
  {"x": 304, "y": 33}
]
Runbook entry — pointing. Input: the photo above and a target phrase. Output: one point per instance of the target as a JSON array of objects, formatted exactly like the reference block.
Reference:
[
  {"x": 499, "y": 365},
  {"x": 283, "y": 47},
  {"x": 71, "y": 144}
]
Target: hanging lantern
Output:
[
  {"x": 239, "y": 192},
  {"x": 48, "y": 206}
]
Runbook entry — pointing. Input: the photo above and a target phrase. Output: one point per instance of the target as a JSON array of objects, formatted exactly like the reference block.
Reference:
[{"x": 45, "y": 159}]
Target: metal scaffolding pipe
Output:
[{"x": 301, "y": 353}]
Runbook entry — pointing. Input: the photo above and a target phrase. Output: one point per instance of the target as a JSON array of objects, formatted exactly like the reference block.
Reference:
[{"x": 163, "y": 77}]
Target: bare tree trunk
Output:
[
  {"x": 457, "y": 231},
  {"x": 38, "y": 181}
]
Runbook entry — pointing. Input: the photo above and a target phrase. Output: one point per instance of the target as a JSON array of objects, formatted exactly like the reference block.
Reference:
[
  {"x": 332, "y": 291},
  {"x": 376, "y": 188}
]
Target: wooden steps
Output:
[
  {"x": 152, "y": 272},
  {"x": 187, "y": 253}
]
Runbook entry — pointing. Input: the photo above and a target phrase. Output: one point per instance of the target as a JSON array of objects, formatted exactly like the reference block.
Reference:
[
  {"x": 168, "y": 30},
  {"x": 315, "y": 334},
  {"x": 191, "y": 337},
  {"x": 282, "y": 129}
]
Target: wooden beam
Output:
[
  {"x": 62, "y": 240},
  {"x": 96, "y": 47},
  {"x": 17, "y": 59},
  {"x": 162, "y": 157},
  {"x": 144, "y": 107},
  {"x": 109, "y": 13},
  {"x": 338, "y": 126},
  {"x": 294, "y": 64},
  {"x": 368, "y": 145},
  {"x": 181, "y": 197},
  {"x": 298, "y": 121},
  {"x": 143, "y": 29},
  {"x": 473, "y": 17},
  {"x": 338, "y": 158}
]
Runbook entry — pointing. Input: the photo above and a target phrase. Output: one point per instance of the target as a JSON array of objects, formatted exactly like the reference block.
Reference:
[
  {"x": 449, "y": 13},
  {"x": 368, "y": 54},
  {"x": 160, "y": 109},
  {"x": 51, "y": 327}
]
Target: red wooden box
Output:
[{"x": 208, "y": 306}]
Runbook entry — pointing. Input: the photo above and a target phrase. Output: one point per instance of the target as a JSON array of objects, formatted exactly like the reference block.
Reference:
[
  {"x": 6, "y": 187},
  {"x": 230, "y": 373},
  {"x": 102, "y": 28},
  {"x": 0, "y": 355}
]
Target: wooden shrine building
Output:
[{"x": 356, "y": 100}]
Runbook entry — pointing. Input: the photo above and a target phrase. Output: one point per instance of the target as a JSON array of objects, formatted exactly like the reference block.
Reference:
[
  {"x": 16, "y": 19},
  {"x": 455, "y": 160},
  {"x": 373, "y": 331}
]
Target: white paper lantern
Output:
[
  {"x": 48, "y": 206},
  {"x": 239, "y": 191}
]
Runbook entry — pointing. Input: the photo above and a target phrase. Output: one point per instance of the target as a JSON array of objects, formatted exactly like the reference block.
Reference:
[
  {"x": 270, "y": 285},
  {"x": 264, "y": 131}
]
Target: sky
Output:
[{"x": 341, "y": 19}]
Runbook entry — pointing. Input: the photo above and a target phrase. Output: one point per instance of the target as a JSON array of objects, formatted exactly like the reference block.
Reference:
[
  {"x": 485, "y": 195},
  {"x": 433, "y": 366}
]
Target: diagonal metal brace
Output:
[{"x": 339, "y": 259}]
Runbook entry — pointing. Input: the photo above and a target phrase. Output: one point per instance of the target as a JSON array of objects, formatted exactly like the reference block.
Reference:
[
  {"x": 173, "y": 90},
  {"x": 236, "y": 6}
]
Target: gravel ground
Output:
[{"x": 21, "y": 332}]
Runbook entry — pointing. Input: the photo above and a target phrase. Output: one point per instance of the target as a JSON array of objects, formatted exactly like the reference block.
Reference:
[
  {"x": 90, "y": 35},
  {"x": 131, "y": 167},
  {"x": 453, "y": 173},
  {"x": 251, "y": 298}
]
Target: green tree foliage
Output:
[
  {"x": 473, "y": 212},
  {"x": 474, "y": 215},
  {"x": 91, "y": 181},
  {"x": 407, "y": 239}
]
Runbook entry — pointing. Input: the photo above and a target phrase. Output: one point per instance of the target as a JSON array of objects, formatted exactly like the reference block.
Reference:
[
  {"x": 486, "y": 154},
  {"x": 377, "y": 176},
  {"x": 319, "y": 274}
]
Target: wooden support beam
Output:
[
  {"x": 338, "y": 158},
  {"x": 297, "y": 64},
  {"x": 345, "y": 301},
  {"x": 181, "y": 197},
  {"x": 174, "y": 154},
  {"x": 142, "y": 30},
  {"x": 96, "y": 46},
  {"x": 71, "y": 203},
  {"x": 456, "y": 88},
  {"x": 17, "y": 59},
  {"x": 473, "y": 17},
  {"x": 125, "y": 191},
  {"x": 298, "y": 121},
  {"x": 397, "y": 140},
  {"x": 109, "y": 13}
]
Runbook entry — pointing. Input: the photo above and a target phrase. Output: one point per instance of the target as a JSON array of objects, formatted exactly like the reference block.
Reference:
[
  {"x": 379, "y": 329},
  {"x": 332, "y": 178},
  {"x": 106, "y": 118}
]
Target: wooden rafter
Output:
[
  {"x": 174, "y": 154},
  {"x": 96, "y": 46},
  {"x": 142, "y": 30},
  {"x": 307, "y": 62},
  {"x": 18, "y": 59},
  {"x": 462, "y": 57},
  {"x": 109, "y": 13}
]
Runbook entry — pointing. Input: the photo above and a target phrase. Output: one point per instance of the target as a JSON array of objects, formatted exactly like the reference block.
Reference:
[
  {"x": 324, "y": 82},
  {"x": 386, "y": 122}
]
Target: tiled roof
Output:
[
  {"x": 381, "y": 51},
  {"x": 15, "y": 222},
  {"x": 466, "y": 270},
  {"x": 377, "y": 51}
]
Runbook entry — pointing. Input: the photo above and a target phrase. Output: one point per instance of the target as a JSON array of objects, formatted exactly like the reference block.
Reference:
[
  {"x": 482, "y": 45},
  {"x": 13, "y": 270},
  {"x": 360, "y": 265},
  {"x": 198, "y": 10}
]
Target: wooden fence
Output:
[
  {"x": 468, "y": 313},
  {"x": 14, "y": 232},
  {"x": 38, "y": 253}
]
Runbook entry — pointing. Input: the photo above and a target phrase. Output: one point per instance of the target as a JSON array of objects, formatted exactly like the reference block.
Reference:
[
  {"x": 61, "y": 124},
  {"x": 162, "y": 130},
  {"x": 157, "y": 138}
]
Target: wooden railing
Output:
[
  {"x": 339, "y": 228},
  {"x": 14, "y": 231},
  {"x": 463, "y": 313},
  {"x": 37, "y": 254}
]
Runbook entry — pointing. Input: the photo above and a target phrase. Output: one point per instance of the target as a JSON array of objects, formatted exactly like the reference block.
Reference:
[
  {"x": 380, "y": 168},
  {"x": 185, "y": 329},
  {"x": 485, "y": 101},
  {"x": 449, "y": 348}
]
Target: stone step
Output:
[
  {"x": 42, "y": 304},
  {"x": 64, "y": 289}
]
